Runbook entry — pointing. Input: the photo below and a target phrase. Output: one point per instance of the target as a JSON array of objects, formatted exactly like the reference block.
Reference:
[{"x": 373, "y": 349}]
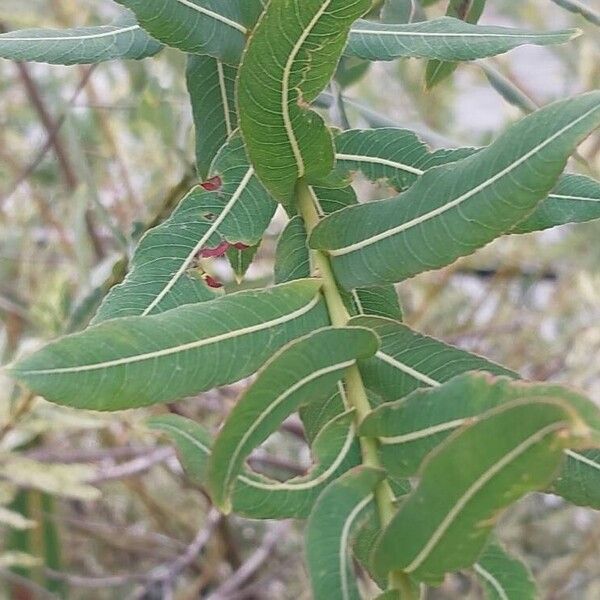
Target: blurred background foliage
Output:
[{"x": 92, "y": 506}]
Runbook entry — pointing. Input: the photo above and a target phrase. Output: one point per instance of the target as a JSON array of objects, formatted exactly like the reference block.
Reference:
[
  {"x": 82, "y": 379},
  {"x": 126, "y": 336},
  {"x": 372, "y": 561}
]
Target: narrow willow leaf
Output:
[
  {"x": 397, "y": 156},
  {"x": 504, "y": 577},
  {"x": 164, "y": 272},
  {"x": 292, "y": 259},
  {"x": 304, "y": 371},
  {"x": 290, "y": 58},
  {"x": 402, "y": 11},
  {"x": 138, "y": 361},
  {"x": 581, "y": 8},
  {"x": 470, "y": 12},
  {"x": 210, "y": 85},
  {"x": 408, "y": 360},
  {"x": 455, "y": 209},
  {"x": 329, "y": 529},
  {"x": 576, "y": 199},
  {"x": 443, "y": 39},
  {"x": 84, "y": 45},
  {"x": 335, "y": 450},
  {"x": 211, "y": 27},
  {"x": 579, "y": 479},
  {"x": 465, "y": 485}
]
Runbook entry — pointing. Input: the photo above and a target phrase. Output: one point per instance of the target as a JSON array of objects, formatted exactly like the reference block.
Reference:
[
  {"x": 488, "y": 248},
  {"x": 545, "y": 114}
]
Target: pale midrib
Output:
[
  {"x": 344, "y": 544},
  {"x": 285, "y": 90},
  {"x": 475, "y": 487},
  {"x": 390, "y": 360},
  {"x": 379, "y": 161},
  {"x": 74, "y": 38},
  {"x": 224, "y": 98},
  {"x": 215, "y": 16},
  {"x": 464, "y": 197},
  {"x": 522, "y": 36},
  {"x": 423, "y": 433},
  {"x": 584, "y": 459},
  {"x": 233, "y": 457},
  {"x": 211, "y": 230},
  {"x": 567, "y": 197},
  {"x": 182, "y": 348},
  {"x": 491, "y": 580}
]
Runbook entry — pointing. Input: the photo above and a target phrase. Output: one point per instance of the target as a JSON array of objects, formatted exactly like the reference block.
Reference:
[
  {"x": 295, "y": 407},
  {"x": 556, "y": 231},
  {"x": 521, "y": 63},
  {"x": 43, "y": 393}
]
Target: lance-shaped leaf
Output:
[
  {"x": 579, "y": 478},
  {"x": 398, "y": 157},
  {"x": 212, "y": 27},
  {"x": 453, "y": 210},
  {"x": 210, "y": 84},
  {"x": 290, "y": 58},
  {"x": 408, "y": 360},
  {"x": 576, "y": 199},
  {"x": 335, "y": 450},
  {"x": 302, "y": 372},
  {"x": 84, "y": 45},
  {"x": 240, "y": 258},
  {"x": 410, "y": 428},
  {"x": 444, "y": 39},
  {"x": 333, "y": 519},
  {"x": 230, "y": 208},
  {"x": 316, "y": 415},
  {"x": 138, "y": 361},
  {"x": 467, "y": 482},
  {"x": 470, "y": 12},
  {"x": 504, "y": 577}
]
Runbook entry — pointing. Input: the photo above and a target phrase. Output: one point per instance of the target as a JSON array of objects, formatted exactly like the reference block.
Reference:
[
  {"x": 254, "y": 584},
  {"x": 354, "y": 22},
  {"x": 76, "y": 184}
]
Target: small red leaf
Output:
[
  {"x": 212, "y": 282},
  {"x": 240, "y": 246},
  {"x": 214, "y": 252},
  {"x": 212, "y": 184}
]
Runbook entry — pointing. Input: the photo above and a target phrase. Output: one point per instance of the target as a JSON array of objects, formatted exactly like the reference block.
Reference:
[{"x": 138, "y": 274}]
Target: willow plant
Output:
[{"x": 418, "y": 447}]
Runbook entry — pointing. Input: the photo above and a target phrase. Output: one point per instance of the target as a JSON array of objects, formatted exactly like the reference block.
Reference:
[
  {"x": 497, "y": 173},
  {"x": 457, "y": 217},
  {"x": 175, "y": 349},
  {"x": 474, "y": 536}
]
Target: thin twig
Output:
[{"x": 250, "y": 567}]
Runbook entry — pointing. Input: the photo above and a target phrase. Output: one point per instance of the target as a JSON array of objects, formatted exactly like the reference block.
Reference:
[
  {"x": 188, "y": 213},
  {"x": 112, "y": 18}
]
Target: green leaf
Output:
[
  {"x": 402, "y": 11},
  {"x": 576, "y": 199},
  {"x": 335, "y": 450},
  {"x": 579, "y": 479},
  {"x": 470, "y": 12},
  {"x": 397, "y": 156},
  {"x": 444, "y": 39},
  {"x": 467, "y": 482},
  {"x": 240, "y": 260},
  {"x": 329, "y": 529},
  {"x": 164, "y": 272},
  {"x": 138, "y": 361},
  {"x": 316, "y": 415},
  {"x": 378, "y": 301},
  {"x": 304, "y": 371},
  {"x": 408, "y": 360},
  {"x": 212, "y": 27},
  {"x": 210, "y": 84},
  {"x": 410, "y": 428},
  {"x": 301, "y": 42},
  {"x": 292, "y": 259},
  {"x": 84, "y": 45},
  {"x": 504, "y": 577},
  {"x": 455, "y": 209}
]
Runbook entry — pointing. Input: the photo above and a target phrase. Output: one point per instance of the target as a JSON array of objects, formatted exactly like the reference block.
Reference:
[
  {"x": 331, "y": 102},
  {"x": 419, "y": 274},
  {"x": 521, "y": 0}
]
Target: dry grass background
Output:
[{"x": 122, "y": 156}]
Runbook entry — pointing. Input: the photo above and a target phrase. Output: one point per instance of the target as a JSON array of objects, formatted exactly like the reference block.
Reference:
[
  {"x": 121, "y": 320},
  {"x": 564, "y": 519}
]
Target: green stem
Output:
[{"x": 355, "y": 388}]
